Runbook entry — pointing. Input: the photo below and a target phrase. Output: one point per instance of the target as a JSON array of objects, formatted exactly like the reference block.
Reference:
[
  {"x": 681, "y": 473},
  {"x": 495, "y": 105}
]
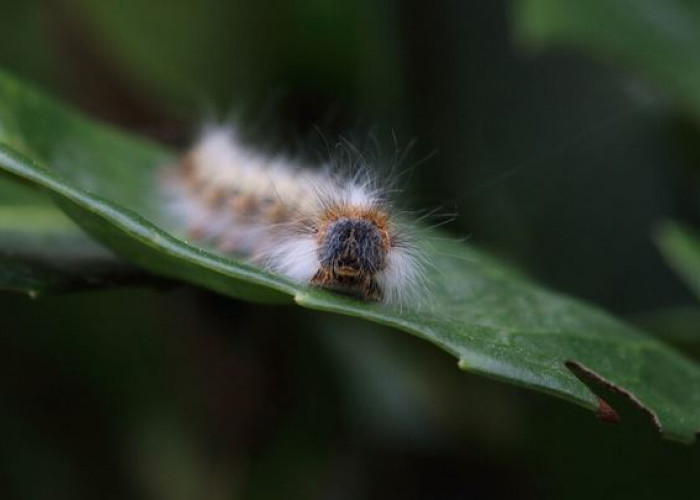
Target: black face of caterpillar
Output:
[{"x": 351, "y": 252}]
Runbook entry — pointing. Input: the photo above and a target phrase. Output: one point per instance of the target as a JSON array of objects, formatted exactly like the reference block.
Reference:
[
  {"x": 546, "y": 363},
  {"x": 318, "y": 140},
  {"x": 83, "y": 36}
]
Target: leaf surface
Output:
[
  {"x": 658, "y": 39},
  {"x": 42, "y": 250},
  {"x": 495, "y": 322}
]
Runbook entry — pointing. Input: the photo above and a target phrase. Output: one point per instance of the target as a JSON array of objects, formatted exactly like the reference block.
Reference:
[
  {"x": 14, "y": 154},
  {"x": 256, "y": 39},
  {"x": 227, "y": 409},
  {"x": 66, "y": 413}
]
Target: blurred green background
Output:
[{"x": 562, "y": 161}]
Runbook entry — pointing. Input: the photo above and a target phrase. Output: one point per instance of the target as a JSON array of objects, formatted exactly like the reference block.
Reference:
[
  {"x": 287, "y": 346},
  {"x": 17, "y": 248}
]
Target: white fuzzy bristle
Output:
[{"x": 294, "y": 256}]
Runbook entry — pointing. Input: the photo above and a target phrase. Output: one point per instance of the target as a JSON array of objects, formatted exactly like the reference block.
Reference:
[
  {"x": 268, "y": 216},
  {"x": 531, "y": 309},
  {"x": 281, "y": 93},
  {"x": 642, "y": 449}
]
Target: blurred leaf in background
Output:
[
  {"x": 681, "y": 248},
  {"x": 659, "y": 39}
]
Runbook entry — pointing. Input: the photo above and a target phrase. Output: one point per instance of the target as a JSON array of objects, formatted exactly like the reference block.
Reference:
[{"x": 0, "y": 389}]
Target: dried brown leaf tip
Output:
[{"x": 605, "y": 412}]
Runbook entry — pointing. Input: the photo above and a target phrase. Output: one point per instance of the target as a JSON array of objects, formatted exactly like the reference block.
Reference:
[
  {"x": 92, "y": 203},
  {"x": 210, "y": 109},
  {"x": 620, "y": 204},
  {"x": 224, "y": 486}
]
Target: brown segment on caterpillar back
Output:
[{"x": 244, "y": 208}]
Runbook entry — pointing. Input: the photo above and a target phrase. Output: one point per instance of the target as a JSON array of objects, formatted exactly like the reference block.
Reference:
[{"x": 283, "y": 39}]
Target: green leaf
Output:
[
  {"x": 660, "y": 39},
  {"x": 494, "y": 322},
  {"x": 42, "y": 250},
  {"x": 681, "y": 248},
  {"x": 346, "y": 45}
]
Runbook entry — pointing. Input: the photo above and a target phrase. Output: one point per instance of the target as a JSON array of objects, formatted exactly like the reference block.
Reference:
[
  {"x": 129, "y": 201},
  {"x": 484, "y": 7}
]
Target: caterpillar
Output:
[{"x": 326, "y": 227}]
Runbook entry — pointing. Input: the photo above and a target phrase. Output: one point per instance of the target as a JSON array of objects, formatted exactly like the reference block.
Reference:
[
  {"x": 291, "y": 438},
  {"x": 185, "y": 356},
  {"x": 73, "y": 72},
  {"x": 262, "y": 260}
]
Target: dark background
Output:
[{"x": 557, "y": 162}]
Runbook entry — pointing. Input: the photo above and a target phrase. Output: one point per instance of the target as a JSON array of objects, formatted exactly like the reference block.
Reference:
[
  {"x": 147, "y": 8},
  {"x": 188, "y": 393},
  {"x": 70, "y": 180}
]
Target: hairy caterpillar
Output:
[{"x": 316, "y": 226}]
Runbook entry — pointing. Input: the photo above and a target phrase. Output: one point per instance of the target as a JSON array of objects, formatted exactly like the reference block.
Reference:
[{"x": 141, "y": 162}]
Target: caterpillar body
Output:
[{"x": 317, "y": 226}]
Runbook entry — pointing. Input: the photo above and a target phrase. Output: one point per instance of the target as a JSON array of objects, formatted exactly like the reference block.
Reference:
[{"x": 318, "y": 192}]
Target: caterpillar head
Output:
[{"x": 352, "y": 251}]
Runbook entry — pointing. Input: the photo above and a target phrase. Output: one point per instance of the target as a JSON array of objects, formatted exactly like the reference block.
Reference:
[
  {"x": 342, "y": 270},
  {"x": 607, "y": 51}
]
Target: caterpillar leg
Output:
[{"x": 362, "y": 287}]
